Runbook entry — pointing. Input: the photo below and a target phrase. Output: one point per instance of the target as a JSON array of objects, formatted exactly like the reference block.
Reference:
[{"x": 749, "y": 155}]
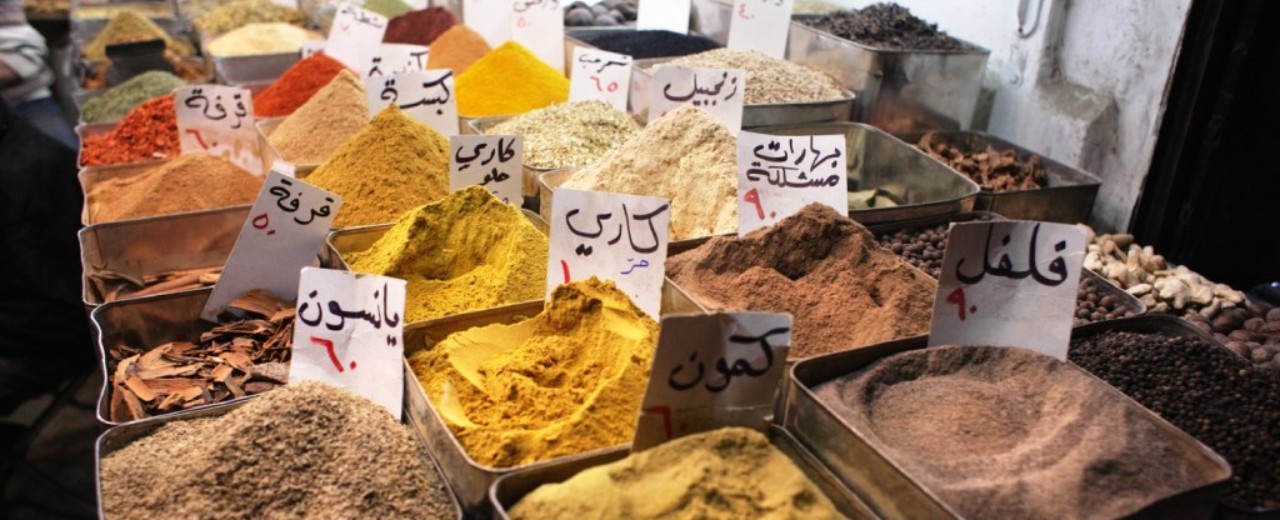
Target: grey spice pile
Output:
[
  {"x": 769, "y": 80},
  {"x": 309, "y": 450},
  {"x": 569, "y": 134},
  {"x": 886, "y": 26},
  {"x": 1010, "y": 433}
]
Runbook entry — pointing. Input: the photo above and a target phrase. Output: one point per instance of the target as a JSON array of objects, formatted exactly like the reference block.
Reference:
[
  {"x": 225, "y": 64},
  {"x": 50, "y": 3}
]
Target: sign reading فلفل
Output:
[
  {"x": 596, "y": 74},
  {"x": 427, "y": 96},
  {"x": 712, "y": 371},
  {"x": 780, "y": 175},
  {"x": 1009, "y": 283},
  {"x": 720, "y": 92},
  {"x": 218, "y": 120},
  {"x": 760, "y": 25},
  {"x": 349, "y": 332},
  {"x": 493, "y": 161},
  {"x": 354, "y": 34},
  {"x": 390, "y": 59}
]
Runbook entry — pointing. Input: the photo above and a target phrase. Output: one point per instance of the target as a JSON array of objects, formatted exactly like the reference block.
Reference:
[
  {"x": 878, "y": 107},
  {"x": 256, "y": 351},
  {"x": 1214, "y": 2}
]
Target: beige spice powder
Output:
[
  {"x": 334, "y": 114},
  {"x": 569, "y": 134}
]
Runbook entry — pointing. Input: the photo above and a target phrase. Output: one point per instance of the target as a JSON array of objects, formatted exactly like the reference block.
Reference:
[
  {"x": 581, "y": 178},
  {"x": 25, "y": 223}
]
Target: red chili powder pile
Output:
[
  {"x": 296, "y": 86},
  {"x": 149, "y": 131},
  {"x": 419, "y": 27}
]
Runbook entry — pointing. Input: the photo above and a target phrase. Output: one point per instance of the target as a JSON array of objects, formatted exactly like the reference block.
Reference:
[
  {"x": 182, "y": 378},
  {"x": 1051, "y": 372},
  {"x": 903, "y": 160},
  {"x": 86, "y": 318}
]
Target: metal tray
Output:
[
  {"x": 257, "y": 68},
  {"x": 91, "y": 176},
  {"x": 512, "y": 487},
  {"x": 121, "y": 436},
  {"x": 158, "y": 244},
  {"x": 471, "y": 480},
  {"x": 269, "y": 153},
  {"x": 893, "y": 492}
]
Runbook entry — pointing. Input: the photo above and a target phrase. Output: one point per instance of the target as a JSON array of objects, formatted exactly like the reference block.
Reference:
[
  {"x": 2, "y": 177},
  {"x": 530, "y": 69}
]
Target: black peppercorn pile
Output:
[
  {"x": 646, "y": 44},
  {"x": 923, "y": 248},
  {"x": 1205, "y": 390}
]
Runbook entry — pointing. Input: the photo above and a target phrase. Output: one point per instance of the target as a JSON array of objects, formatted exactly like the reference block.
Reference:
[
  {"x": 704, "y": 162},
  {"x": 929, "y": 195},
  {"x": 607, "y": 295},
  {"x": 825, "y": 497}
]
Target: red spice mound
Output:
[
  {"x": 419, "y": 27},
  {"x": 148, "y": 132},
  {"x": 296, "y": 86}
]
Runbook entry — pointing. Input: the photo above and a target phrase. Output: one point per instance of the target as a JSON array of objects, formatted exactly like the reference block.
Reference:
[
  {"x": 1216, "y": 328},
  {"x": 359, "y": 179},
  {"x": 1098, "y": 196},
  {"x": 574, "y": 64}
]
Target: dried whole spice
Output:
[
  {"x": 238, "y": 357},
  {"x": 993, "y": 170},
  {"x": 148, "y": 132},
  {"x": 647, "y": 44},
  {"x": 885, "y": 26},
  {"x": 569, "y": 134},
  {"x": 296, "y": 86},
  {"x": 1162, "y": 286},
  {"x": 110, "y": 286}
]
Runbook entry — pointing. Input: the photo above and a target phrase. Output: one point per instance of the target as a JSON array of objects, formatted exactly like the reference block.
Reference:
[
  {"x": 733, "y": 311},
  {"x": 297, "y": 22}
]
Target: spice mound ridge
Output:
[{"x": 322, "y": 124}]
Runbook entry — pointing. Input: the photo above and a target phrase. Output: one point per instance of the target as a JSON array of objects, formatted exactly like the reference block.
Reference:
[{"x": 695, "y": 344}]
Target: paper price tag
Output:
[
  {"x": 311, "y": 47},
  {"x": 780, "y": 175},
  {"x": 761, "y": 25},
  {"x": 717, "y": 91},
  {"x": 664, "y": 15},
  {"x": 539, "y": 25},
  {"x": 492, "y": 19},
  {"x": 712, "y": 371},
  {"x": 389, "y": 59},
  {"x": 283, "y": 234},
  {"x": 597, "y": 74},
  {"x": 426, "y": 96},
  {"x": 1009, "y": 283},
  {"x": 611, "y": 236},
  {"x": 349, "y": 333},
  {"x": 354, "y": 34},
  {"x": 218, "y": 120},
  {"x": 493, "y": 161}
]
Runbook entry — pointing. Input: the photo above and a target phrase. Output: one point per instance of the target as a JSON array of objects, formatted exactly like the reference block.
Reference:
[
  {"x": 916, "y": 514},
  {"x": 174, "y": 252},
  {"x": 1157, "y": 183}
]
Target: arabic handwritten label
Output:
[
  {"x": 218, "y": 119},
  {"x": 355, "y": 32},
  {"x": 283, "y": 234},
  {"x": 539, "y": 26},
  {"x": 761, "y": 25},
  {"x": 493, "y": 161},
  {"x": 389, "y": 59},
  {"x": 612, "y": 236},
  {"x": 492, "y": 19},
  {"x": 712, "y": 371},
  {"x": 1009, "y": 283},
  {"x": 719, "y": 92},
  {"x": 350, "y": 333},
  {"x": 780, "y": 175},
  {"x": 426, "y": 96},
  {"x": 672, "y": 15},
  {"x": 311, "y": 47},
  {"x": 597, "y": 74}
]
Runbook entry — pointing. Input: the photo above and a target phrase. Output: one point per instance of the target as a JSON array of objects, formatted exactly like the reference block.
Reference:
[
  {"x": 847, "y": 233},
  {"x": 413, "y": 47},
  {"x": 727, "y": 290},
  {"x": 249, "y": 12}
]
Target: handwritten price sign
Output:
[
  {"x": 1009, "y": 283},
  {"x": 611, "y": 236},
  {"x": 355, "y": 33},
  {"x": 712, "y": 371},
  {"x": 672, "y": 15},
  {"x": 539, "y": 25},
  {"x": 218, "y": 120},
  {"x": 349, "y": 332},
  {"x": 780, "y": 175},
  {"x": 597, "y": 74},
  {"x": 427, "y": 96},
  {"x": 718, "y": 91},
  {"x": 760, "y": 25},
  {"x": 493, "y": 161},
  {"x": 389, "y": 59},
  {"x": 492, "y": 19}
]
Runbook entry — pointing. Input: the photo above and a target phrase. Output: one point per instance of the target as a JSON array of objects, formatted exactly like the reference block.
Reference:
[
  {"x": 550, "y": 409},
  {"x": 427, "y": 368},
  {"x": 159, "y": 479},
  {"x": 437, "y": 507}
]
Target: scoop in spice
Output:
[
  {"x": 110, "y": 286},
  {"x": 995, "y": 170},
  {"x": 885, "y": 26},
  {"x": 569, "y": 134},
  {"x": 331, "y": 117}
]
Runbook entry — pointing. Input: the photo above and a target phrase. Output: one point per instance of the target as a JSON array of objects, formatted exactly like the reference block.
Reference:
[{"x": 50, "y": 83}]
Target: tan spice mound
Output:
[
  {"x": 191, "y": 182},
  {"x": 334, "y": 114}
]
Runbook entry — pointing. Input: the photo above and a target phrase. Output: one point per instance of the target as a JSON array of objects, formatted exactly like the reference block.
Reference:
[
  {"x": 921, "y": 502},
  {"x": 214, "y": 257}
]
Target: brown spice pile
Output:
[
  {"x": 192, "y": 182},
  {"x": 842, "y": 288},
  {"x": 334, "y": 114},
  {"x": 994, "y": 170},
  {"x": 309, "y": 450},
  {"x": 1010, "y": 433},
  {"x": 111, "y": 285},
  {"x": 238, "y": 357}
]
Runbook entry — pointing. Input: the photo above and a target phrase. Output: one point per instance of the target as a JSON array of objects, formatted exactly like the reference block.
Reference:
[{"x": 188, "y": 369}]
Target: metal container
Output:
[
  {"x": 711, "y": 18},
  {"x": 470, "y": 479},
  {"x": 1068, "y": 198},
  {"x": 84, "y": 30},
  {"x": 871, "y": 471},
  {"x": 269, "y": 153},
  {"x": 159, "y": 244},
  {"x": 512, "y": 487},
  {"x": 528, "y": 183},
  {"x": 119, "y": 437},
  {"x": 256, "y": 68},
  {"x": 92, "y": 176},
  {"x": 82, "y": 70}
]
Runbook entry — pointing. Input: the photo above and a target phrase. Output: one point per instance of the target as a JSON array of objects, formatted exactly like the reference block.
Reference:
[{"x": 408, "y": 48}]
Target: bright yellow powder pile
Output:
[
  {"x": 725, "y": 473},
  {"x": 334, "y": 114},
  {"x": 509, "y": 80},
  {"x": 393, "y": 165},
  {"x": 466, "y": 252},
  {"x": 566, "y": 381}
]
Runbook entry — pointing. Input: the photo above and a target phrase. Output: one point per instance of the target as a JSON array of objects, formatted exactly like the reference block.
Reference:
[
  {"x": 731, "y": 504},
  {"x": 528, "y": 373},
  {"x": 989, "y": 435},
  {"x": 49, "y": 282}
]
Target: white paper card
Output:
[
  {"x": 389, "y": 59},
  {"x": 311, "y": 47},
  {"x": 712, "y": 371},
  {"x": 665, "y": 15},
  {"x": 350, "y": 333},
  {"x": 717, "y": 91},
  {"x": 492, "y": 19},
  {"x": 761, "y": 25},
  {"x": 597, "y": 74},
  {"x": 612, "y": 236},
  {"x": 218, "y": 119},
  {"x": 780, "y": 175},
  {"x": 539, "y": 26},
  {"x": 291, "y": 4},
  {"x": 426, "y": 96},
  {"x": 355, "y": 33},
  {"x": 493, "y": 161},
  {"x": 1009, "y": 283},
  {"x": 284, "y": 232}
]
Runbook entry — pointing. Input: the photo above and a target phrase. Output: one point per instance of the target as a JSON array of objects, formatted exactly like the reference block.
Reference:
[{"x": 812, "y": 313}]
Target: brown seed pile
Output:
[
  {"x": 309, "y": 450},
  {"x": 1251, "y": 330},
  {"x": 769, "y": 80},
  {"x": 883, "y": 25},
  {"x": 994, "y": 170}
]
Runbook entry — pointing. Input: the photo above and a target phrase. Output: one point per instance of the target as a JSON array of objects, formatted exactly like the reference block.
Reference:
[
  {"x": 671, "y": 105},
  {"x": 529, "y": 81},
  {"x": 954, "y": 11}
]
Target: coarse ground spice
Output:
[
  {"x": 995, "y": 170},
  {"x": 687, "y": 157},
  {"x": 769, "y": 80},
  {"x": 465, "y": 252},
  {"x": 131, "y": 27},
  {"x": 148, "y": 132},
  {"x": 647, "y": 44},
  {"x": 116, "y": 102},
  {"x": 1208, "y": 392},
  {"x": 885, "y": 26},
  {"x": 420, "y": 27},
  {"x": 393, "y": 165},
  {"x": 331, "y": 117},
  {"x": 569, "y": 134},
  {"x": 566, "y": 381},
  {"x": 192, "y": 182},
  {"x": 843, "y": 289},
  {"x": 1001, "y": 432},
  {"x": 306, "y": 450},
  {"x": 262, "y": 38},
  {"x": 509, "y": 80},
  {"x": 296, "y": 86},
  {"x": 457, "y": 49},
  {"x": 236, "y": 14},
  {"x": 725, "y": 473}
]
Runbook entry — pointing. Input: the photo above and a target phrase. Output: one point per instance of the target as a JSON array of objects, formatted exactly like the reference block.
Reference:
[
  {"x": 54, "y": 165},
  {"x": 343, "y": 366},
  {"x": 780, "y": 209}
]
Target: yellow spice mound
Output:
[{"x": 509, "y": 80}]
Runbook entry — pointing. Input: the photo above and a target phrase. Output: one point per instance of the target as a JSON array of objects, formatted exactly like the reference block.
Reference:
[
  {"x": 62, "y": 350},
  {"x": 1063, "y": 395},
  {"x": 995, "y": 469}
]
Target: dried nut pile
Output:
[
  {"x": 603, "y": 14},
  {"x": 994, "y": 170},
  {"x": 111, "y": 285},
  {"x": 1162, "y": 286},
  {"x": 1251, "y": 330}
]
